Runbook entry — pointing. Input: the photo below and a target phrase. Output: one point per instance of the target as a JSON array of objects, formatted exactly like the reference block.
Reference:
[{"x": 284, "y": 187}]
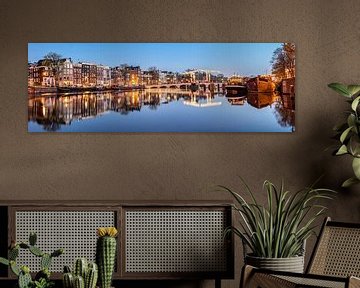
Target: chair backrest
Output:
[{"x": 337, "y": 251}]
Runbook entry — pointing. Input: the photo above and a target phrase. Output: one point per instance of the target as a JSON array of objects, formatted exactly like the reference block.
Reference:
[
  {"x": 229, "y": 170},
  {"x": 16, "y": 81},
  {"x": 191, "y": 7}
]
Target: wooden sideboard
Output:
[{"x": 163, "y": 240}]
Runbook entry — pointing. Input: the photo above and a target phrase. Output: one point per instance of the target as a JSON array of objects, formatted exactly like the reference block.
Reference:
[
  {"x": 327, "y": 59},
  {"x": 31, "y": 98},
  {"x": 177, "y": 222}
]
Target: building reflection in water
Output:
[
  {"x": 201, "y": 100},
  {"x": 53, "y": 111},
  {"x": 284, "y": 105}
]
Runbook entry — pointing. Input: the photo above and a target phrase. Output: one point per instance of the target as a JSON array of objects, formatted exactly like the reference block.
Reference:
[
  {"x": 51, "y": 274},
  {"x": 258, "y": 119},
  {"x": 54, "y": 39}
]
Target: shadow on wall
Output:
[
  {"x": 332, "y": 171},
  {"x": 335, "y": 170}
]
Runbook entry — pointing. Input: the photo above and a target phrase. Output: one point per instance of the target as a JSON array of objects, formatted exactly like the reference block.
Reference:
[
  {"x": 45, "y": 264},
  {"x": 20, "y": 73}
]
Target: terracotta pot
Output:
[{"x": 291, "y": 264}]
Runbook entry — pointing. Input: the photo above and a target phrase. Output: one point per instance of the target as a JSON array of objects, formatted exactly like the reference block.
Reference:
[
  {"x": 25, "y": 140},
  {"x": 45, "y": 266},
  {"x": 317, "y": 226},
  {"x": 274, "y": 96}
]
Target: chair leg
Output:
[
  {"x": 246, "y": 273},
  {"x": 217, "y": 283}
]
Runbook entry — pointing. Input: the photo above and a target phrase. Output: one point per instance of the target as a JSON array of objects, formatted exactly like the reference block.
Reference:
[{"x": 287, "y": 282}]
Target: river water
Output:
[{"x": 160, "y": 111}]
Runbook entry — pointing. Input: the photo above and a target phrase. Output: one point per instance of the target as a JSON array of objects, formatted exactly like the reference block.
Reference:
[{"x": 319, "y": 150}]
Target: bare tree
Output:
[
  {"x": 52, "y": 60},
  {"x": 283, "y": 61},
  {"x": 154, "y": 72}
]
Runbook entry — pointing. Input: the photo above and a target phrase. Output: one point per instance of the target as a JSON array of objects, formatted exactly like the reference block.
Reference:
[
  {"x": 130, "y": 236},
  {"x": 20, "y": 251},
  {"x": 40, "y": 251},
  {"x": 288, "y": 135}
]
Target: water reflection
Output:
[
  {"x": 262, "y": 100},
  {"x": 56, "y": 112},
  {"x": 285, "y": 111},
  {"x": 201, "y": 100},
  {"x": 236, "y": 100}
]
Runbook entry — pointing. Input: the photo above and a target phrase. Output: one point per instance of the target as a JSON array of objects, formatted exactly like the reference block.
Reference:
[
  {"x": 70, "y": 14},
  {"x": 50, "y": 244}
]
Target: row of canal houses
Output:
[
  {"x": 82, "y": 74},
  {"x": 86, "y": 75}
]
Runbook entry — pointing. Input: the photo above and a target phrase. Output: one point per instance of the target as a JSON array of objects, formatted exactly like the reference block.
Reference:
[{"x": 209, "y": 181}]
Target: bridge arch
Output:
[{"x": 182, "y": 85}]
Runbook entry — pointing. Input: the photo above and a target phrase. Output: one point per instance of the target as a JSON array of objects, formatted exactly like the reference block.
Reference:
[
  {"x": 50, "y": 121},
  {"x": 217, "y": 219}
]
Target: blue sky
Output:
[{"x": 228, "y": 58}]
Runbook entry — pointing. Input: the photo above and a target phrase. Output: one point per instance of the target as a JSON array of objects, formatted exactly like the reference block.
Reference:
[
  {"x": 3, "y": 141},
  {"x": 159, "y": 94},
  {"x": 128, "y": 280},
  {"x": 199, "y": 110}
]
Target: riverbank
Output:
[{"x": 43, "y": 90}]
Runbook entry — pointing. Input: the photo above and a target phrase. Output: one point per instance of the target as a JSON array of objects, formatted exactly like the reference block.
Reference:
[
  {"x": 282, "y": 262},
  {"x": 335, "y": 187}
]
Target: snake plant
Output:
[{"x": 279, "y": 228}]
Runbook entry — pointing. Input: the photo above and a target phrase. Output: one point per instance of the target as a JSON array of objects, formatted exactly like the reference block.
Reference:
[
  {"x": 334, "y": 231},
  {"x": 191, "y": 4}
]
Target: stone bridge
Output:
[{"x": 184, "y": 86}]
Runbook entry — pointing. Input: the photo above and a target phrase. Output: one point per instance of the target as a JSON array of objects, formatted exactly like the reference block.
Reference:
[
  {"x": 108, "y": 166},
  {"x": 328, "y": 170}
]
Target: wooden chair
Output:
[{"x": 335, "y": 262}]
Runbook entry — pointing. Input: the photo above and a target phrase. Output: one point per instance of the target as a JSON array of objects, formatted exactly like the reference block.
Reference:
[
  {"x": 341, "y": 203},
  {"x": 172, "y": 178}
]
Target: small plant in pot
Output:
[
  {"x": 276, "y": 233},
  {"x": 25, "y": 280},
  {"x": 84, "y": 274}
]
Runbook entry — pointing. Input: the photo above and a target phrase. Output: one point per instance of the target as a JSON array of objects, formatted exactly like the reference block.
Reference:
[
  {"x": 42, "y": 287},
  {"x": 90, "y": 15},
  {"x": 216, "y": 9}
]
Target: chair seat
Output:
[
  {"x": 314, "y": 282},
  {"x": 335, "y": 262},
  {"x": 255, "y": 278}
]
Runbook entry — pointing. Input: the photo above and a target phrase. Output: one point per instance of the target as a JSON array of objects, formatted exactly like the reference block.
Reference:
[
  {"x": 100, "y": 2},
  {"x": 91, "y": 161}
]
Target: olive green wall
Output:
[{"x": 174, "y": 166}]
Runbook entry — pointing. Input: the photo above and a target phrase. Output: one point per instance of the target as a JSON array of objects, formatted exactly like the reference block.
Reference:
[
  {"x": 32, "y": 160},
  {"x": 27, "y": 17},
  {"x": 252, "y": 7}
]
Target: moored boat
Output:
[
  {"x": 232, "y": 90},
  {"x": 236, "y": 100},
  {"x": 41, "y": 89},
  {"x": 260, "y": 84}
]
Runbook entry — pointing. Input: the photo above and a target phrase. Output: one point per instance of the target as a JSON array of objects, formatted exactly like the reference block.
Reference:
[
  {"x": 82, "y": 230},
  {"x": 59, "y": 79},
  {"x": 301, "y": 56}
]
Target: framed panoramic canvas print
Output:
[{"x": 161, "y": 87}]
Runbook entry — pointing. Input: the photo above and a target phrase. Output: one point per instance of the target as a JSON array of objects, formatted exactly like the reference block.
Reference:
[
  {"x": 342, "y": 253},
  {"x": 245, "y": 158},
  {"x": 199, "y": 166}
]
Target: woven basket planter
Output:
[{"x": 291, "y": 264}]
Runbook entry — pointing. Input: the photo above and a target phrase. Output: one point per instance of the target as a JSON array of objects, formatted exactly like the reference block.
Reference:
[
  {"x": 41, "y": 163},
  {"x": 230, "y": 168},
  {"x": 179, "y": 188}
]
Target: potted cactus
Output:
[
  {"x": 42, "y": 278},
  {"x": 85, "y": 275},
  {"x": 106, "y": 254}
]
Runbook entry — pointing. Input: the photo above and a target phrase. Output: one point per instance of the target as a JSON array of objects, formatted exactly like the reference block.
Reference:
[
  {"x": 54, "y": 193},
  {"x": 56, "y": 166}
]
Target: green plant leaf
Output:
[
  {"x": 279, "y": 228},
  {"x": 356, "y": 167},
  {"x": 355, "y": 103},
  {"x": 349, "y": 182},
  {"x": 345, "y": 134},
  {"x": 353, "y": 90},
  {"x": 354, "y": 145},
  {"x": 342, "y": 150},
  {"x": 351, "y": 120},
  {"x": 340, "y": 88}
]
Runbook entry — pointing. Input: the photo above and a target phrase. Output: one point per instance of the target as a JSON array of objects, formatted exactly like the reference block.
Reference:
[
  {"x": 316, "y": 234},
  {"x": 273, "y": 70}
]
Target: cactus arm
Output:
[
  {"x": 13, "y": 253},
  {"x": 79, "y": 282},
  {"x": 14, "y": 268},
  {"x": 24, "y": 245},
  {"x": 91, "y": 276},
  {"x": 80, "y": 267},
  {"x": 36, "y": 251},
  {"x": 24, "y": 280},
  {"x": 57, "y": 253},
  {"x": 45, "y": 261},
  {"x": 67, "y": 269},
  {"x": 68, "y": 280},
  {"x": 32, "y": 239}
]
